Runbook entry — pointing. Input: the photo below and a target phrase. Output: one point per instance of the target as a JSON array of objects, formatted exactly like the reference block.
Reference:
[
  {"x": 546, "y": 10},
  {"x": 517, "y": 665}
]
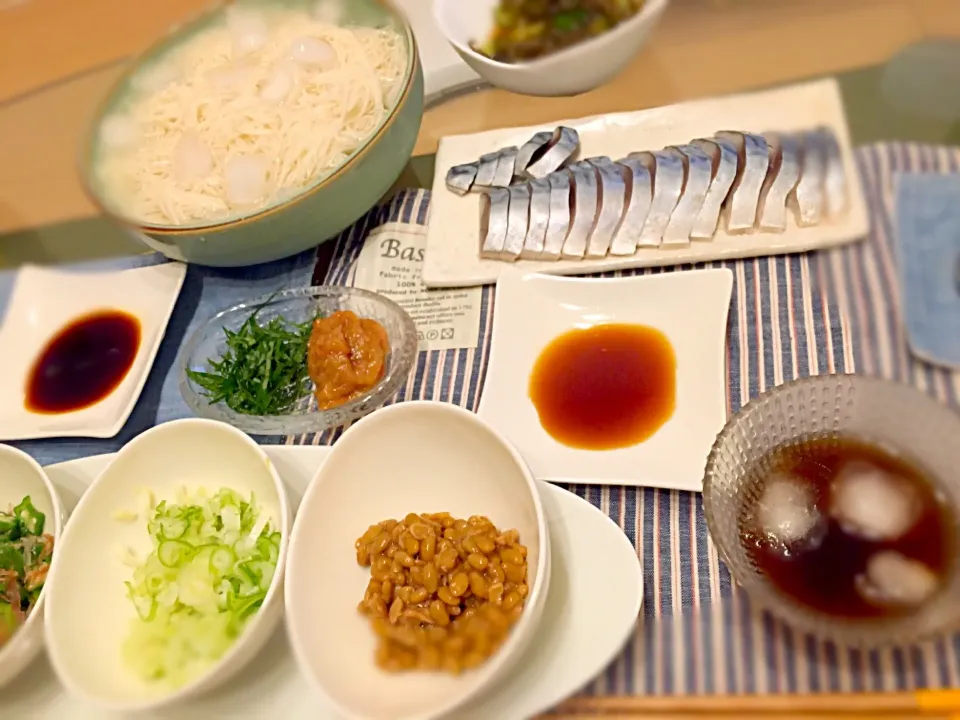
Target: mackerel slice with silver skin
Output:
[
  {"x": 558, "y": 223},
  {"x": 518, "y": 219},
  {"x": 494, "y": 211},
  {"x": 611, "y": 198},
  {"x": 460, "y": 177},
  {"x": 807, "y": 198},
  {"x": 562, "y": 146},
  {"x": 835, "y": 182},
  {"x": 598, "y": 160},
  {"x": 723, "y": 156},
  {"x": 486, "y": 170},
  {"x": 744, "y": 198},
  {"x": 584, "y": 194},
  {"x": 539, "y": 220},
  {"x": 636, "y": 204},
  {"x": 530, "y": 151},
  {"x": 667, "y": 170},
  {"x": 783, "y": 173},
  {"x": 699, "y": 173},
  {"x": 504, "y": 174}
]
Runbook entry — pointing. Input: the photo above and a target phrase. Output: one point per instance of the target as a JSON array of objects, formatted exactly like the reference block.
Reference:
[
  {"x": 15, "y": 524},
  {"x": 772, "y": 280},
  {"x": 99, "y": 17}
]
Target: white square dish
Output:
[
  {"x": 44, "y": 301},
  {"x": 689, "y": 307}
]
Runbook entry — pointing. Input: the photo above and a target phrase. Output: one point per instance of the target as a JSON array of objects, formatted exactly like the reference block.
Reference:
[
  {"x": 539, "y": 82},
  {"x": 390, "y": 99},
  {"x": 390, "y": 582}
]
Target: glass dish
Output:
[
  {"x": 898, "y": 417},
  {"x": 298, "y": 305}
]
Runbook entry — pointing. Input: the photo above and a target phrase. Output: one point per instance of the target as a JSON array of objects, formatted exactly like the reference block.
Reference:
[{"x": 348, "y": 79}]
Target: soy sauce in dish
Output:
[
  {"x": 847, "y": 528},
  {"x": 83, "y": 363},
  {"x": 605, "y": 387}
]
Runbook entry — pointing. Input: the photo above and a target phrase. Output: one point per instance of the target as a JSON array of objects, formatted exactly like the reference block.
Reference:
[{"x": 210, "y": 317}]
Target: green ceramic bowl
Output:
[{"x": 291, "y": 225}]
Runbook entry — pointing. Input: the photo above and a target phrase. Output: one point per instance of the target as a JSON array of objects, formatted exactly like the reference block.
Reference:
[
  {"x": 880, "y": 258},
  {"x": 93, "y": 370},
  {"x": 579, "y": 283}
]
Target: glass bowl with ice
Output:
[{"x": 834, "y": 501}]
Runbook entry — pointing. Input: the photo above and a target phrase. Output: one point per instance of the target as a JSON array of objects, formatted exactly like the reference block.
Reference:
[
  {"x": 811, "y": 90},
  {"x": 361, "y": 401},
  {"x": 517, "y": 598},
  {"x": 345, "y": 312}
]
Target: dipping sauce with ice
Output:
[
  {"x": 605, "y": 387},
  {"x": 847, "y": 528}
]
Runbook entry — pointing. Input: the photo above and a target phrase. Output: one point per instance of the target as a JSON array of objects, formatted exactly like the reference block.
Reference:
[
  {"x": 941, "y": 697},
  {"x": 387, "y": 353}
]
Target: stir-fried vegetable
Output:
[
  {"x": 210, "y": 568},
  {"x": 25, "y": 553},
  {"x": 528, "y": 29},
  {"x": 263, "y": 370}
]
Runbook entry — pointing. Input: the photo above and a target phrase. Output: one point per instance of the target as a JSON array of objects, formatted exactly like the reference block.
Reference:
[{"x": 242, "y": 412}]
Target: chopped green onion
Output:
[{"x": 212, "y": 563}]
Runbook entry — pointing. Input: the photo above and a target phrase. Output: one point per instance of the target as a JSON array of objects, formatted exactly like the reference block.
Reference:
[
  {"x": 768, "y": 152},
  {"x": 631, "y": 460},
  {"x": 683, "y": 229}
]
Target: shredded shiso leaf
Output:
[{"x": 210, "y": 568}]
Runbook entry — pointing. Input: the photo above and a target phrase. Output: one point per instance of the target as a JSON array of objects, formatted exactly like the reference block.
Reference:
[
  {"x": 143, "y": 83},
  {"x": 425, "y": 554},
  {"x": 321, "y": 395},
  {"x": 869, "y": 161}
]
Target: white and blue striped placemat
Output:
[{"x": 791, "y": 316}]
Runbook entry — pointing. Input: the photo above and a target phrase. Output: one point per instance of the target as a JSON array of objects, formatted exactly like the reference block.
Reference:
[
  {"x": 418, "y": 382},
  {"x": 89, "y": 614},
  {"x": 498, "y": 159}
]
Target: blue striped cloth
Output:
[{"x": 791, "y": 316}]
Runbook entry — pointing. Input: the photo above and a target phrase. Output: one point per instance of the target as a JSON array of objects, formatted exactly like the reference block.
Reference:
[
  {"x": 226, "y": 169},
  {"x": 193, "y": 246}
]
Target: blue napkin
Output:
[
  {"x": 205, "y": 292},
  {"x": 928, "y": 245}
]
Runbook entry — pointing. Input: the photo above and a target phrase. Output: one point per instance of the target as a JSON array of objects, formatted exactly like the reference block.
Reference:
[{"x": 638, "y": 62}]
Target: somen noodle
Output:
[{"x": 246, "y": 113}]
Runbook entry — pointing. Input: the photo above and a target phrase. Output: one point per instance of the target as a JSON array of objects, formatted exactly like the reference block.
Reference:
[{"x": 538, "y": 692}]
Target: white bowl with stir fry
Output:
[
  {"x": 31, "y": 518},
  {"x": 548, "y": 47},
  {"x": 170, "y": 575},
  {"x": 419, "y": 564}
]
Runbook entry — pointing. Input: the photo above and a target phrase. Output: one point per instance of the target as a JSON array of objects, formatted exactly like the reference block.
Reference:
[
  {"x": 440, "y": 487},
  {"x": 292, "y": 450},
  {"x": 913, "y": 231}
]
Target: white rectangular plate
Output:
[
  {"x": 690, "y": 308},
  {"x": 44, "y": 301},
  {"x": 453, "y": 230},
  {"x": 563, "y": 655}
]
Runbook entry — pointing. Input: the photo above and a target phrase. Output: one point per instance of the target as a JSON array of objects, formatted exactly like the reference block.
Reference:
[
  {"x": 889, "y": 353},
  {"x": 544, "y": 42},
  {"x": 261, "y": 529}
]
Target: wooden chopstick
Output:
[{"x": 923, "y": 703}]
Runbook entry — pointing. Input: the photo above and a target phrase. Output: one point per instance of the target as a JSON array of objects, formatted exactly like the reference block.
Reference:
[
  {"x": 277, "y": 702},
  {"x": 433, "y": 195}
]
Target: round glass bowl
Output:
[
  {"x": 896, "y": 417},
  {"x": 299, "y": 305}
]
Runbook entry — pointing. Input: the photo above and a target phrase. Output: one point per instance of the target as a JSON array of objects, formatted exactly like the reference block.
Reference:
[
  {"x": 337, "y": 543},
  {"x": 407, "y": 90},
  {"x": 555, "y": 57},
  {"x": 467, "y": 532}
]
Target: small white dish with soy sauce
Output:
[
  {"x": 31, "y": 517},
  {"x": 618, "y": 381},
  {"x": 78, "y": 347}
]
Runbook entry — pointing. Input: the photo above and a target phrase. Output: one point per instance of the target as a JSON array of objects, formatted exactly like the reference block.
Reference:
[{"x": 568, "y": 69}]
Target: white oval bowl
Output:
[
  {"x": 88, "y": 613},
  {"x": 571, "y": 71},
  {"x": 409, "y": 457},
  {"x": 21, "y": 475}
]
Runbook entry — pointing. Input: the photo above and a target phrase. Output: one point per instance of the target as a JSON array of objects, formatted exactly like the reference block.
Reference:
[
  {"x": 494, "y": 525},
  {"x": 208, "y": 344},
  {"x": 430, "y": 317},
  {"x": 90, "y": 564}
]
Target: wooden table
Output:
[{"x": 67, "y": 58}]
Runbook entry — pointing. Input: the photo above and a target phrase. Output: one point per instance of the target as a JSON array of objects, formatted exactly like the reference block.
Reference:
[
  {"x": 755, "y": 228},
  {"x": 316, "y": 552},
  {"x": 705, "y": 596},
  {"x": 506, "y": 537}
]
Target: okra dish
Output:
[
  {"x": 529, "y": 29},
  {"x": 444, "y": 592},
  {"x": 25, "y": 554}
]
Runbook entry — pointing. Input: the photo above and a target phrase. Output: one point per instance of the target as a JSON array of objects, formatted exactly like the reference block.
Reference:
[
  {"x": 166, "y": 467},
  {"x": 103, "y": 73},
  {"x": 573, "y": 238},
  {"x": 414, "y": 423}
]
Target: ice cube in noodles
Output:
[
  {"x": 248, "y": 29},
  {"x": 753, "y": 157},
  {"x": 787, "y": 513},
  {"x": 561, "y": 149},
  {"x": 807, "y": 199},
  {"x": 636, "y": 206},
  {"x": 245, "y": 177},
  {"x": 460, "y": 177},
  {"x": 873, "y": 504},
  {"x": 724, "y": 160},
  {"x": 783, "y": 173},
  {"x": 891, "y": 578},
  {"x": 191, "y": 158},
  {"x": 533, "y": 246},
  {"x": 667, "y": 170},
  {"x": 698, "y": 174},
  {"x": 313, "y": 52},
  {"x": 278, "y": 83},
  {"x": 118, "y": 131},
  {"x": 584, "y": 196},
  {"x": 494, "y": 210},
  {"x": 518, "y": 219},
  {"x": 558, "y": 224},
  {"x": 611, "y": 197}
]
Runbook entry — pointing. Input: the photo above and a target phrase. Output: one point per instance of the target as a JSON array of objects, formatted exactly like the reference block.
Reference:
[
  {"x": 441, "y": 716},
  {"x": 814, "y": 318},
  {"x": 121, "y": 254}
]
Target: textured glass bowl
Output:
[
  {"x": 298, "y": 305},
  {"x": 897, "y": 417}
]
